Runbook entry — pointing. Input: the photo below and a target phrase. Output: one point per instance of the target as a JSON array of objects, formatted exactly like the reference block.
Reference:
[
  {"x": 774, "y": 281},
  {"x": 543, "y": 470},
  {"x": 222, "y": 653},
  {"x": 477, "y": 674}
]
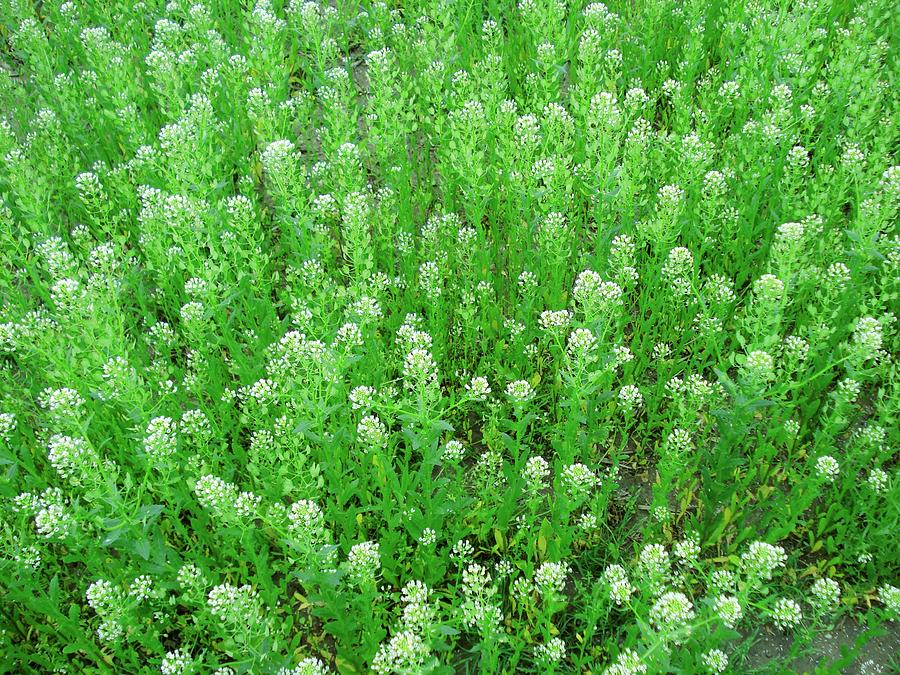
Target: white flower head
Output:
[
  {"x": 786, "y": 613},
  {"x": 826, "y": 593},
  {"x": 520, "y": 392},
  {"x": 827, "y": 468},
  {"x": 363, "y": 562}
]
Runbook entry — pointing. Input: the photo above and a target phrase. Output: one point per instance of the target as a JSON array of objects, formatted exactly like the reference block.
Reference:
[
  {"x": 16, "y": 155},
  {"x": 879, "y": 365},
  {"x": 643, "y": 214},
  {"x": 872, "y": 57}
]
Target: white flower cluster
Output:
[
  {"x": 231, "y": 604},
  {"x": 890, "y": 596},
  {"x": 551, "y": 652},
  {"x": 535, "y": 473},
  {"x": 550, "y": 578},
  {"x": 349, "y": 336},
  {"x": 310, "y": 665},
  {"x": 786, "y": 613},
  {"x": 367, "y": 310},
  {"x": 28, "y": 557},
  {"x": 630, "y": 398},
  {"x": 478, "y": 388},
  {"x": 620, "y": 589},
  {"x": 868, "y": 338},
  {"x": 826, "y": 593},
  {"x": 672, "y": 614},
  {"x": 176, "y": 662},
  {"x": 7, "y": 426},
  {"x": 141, "y": 587},
  {"x": 306, "y": 521},
  {"x": 363, "y": 562},
  {"x": 555, "y": 321},
  {"x": 62, "y": 403},
  {"x": 52, "y": 519},
  {"x": 363, "y": 397},
  {"x": 878, "y": 480},
  {"x": 520, "y": 392},
  {"x": 225, "y": 500},
  {"x": 827, "y": 468},
  {"x": 687, "y": 550},
  {"x": 420, "y": 370},
  {"x": 761, "y": 560},
  {"x": 190, "y": 577},
  {"x": 715, "y": 660},
  {"x": 581, "y": 345},
  {"x": 594, "y": 296},
  {"x": 103, "y": 597},
  {"x": 108, "y": 601},
  {"x": 678, "y": 271},
  {"x": 678, "y": 443},
  {"x": 728, "y": 609},
  {"x": 768, "y": 289},
  {"x": 196, "y": 425},
  {"x": 453, "y": 451},
  {"x": 759, "y": 366},
  {"x": 405, "y": 652},
  {"x": 578, "y": 481},
  {"x": 654, "y": 563},
  {"x": 160, "y": 438},
  {"x": 418, "y": 613},
  {"x": 72, "y": 458},
  {"x": 627, "y": 663},
  {"x": 479, "y": 607},
  {"x": 372, "y": 433}
]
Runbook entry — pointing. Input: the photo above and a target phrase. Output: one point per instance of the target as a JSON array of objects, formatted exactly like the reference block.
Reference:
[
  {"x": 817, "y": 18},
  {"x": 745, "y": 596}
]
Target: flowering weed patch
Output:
[{"x": 445, "y": 337}]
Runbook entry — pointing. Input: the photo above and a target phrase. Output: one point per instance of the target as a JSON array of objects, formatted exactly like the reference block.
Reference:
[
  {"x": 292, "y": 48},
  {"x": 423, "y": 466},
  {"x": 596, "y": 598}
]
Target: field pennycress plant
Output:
[{"x": 437, "y": 337}]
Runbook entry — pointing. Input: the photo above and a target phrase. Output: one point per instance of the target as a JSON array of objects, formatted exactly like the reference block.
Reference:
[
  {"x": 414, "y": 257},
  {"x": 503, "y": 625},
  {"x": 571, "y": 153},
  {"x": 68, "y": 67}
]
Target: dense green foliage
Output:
[{"x": 435, "y": 336}]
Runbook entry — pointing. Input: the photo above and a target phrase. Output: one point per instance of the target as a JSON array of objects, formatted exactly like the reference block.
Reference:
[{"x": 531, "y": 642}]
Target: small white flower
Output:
[
  {"x": 405, "y": 652},
  {"x": 233, "y": 604},
  {"x": 581, "y": 344},
  {"x": 715, "y": 660},
  {"x": 620, "y": 589},
  {"x": 141, "y": 588},
  {"x": 520, "y": 392},
  {"x": 786, "y": 613},
  {"x": 306, "y": 520},
  {"x": 673, "y": 612},
  {"x": 535, "y": 473},
  {"x": 827, "y": 468},
  {"x": 630, "y": 398},
  {"x": 890, "y": 596},
  {"x": 827, "y": 593},
  {"x": 372, "y": 433},
  {"x": 550, "y": 577},
  {"x": 762, "y": 559},
  {"x": 428, "y": 538},
  {"x": 419, "y": 370},
  {"x": 627, "y": 663},
  {"x": 478, "y": 388},
  {"x": 587, "y": 522},
  {"x": 363, "y": 562},
  {"x": 552, "y": 652},
  {"x": 555, "y": 321},
  {"x": 729, "y": 610},
  {"x": 175, "y": 662},
  {"x": 848, "y": 390},
  {"x": 7, "y": 426},
  {"x": 760, "y": 366},
  {"x": 878, "y": 480},
  {"x": 160, "y": 438},
  {"x": 578, "y": 480},
  {"x": 453, "y": 451},
  {"x": 654, "y": 560}
]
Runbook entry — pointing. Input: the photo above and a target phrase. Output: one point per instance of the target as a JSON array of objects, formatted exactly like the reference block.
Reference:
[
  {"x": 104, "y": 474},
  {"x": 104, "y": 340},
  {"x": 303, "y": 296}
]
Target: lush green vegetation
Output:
[{"x": 435, "y": 337}]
